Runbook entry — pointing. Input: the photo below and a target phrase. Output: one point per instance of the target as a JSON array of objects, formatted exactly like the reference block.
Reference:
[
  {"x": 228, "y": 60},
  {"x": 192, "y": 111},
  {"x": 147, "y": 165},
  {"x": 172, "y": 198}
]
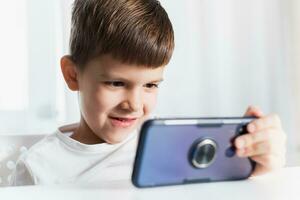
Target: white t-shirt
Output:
[{"x": 59, "y": 159}]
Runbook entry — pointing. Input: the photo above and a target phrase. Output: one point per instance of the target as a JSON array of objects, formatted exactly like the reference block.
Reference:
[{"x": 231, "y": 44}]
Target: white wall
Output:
[{"x": 293, "y": 42}]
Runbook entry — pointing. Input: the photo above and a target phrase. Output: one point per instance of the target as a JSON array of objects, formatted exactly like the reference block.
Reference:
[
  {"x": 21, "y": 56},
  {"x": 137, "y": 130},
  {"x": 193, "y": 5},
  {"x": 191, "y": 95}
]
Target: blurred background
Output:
[{"x": 229, "y": 54}]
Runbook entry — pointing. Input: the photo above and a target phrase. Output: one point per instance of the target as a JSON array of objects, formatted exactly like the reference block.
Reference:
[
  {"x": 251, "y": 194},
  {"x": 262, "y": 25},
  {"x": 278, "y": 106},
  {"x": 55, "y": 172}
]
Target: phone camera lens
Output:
[
  {"x": 204, "y": 153},
  {"x": 230, "y": 152}
]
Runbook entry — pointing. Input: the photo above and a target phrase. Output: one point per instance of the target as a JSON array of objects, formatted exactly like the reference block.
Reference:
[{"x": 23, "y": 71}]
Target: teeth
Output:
[{"x": 121, "y": 119}]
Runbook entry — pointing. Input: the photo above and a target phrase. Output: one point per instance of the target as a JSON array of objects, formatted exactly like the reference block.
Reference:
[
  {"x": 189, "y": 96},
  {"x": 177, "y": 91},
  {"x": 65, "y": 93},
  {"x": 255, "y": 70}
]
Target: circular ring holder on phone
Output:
[{"x": 203, "y": 153}]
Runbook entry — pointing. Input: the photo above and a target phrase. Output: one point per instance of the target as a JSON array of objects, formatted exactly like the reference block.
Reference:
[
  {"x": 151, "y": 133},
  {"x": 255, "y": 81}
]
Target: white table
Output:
[{"x": 284, "y": 184}]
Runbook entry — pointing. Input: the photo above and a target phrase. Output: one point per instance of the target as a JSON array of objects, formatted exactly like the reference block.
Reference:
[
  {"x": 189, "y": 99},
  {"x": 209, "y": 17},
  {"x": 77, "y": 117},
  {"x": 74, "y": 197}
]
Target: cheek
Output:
[
  {"x": 106, "y": 100},
  {"x": 149, "y": 103},
  {"x": 98, "y": 100}
]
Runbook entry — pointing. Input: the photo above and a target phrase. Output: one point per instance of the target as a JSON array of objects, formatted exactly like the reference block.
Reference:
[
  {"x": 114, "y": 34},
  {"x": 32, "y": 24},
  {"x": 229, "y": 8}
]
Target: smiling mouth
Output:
[
  {"x": 123, "y": 119},
  {"x": 122, "y": 122}
]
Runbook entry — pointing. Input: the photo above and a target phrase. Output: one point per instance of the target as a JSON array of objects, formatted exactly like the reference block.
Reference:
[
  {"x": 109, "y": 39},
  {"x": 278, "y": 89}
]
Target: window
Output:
[
  {"x": 13, "y": 51},
  {"x": 32, "y": 90}
]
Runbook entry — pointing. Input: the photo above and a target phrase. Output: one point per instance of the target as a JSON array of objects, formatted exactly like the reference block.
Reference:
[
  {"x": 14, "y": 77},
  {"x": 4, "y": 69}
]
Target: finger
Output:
[
  {"x": 248, "y": 140},
  {"x": 268, "y": 121},
  {"x": 253, "y": 111},
  {"x": 262, "y": 148}
]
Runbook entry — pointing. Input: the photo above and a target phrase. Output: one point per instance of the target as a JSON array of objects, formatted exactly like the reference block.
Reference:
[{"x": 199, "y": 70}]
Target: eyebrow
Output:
[{"x": 106, "y": 76}]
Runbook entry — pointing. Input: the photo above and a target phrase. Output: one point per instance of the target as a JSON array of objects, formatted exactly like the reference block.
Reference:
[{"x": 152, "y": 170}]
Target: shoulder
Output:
[
  {"x": 44, "y": 145},
  {"x": 53, "y": 142}
]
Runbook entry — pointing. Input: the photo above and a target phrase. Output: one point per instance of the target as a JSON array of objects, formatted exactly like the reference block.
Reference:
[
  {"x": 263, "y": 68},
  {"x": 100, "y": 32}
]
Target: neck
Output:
[{"x": 85, "y": 135}]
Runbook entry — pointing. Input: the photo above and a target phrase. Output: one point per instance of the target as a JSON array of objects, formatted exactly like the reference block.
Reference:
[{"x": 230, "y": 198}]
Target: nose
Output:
[{"x": 133, "y": 101}]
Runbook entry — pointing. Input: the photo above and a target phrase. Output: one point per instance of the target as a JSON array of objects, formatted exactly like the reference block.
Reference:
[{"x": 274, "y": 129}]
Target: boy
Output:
[{"x": 118, "y": 53}]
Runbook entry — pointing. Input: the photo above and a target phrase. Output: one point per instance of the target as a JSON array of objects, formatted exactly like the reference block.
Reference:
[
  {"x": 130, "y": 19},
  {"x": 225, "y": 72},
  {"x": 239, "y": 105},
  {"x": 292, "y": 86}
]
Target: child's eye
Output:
[
  {"x": 115, "y": 83},
  {"x": 151, "y": 85}
]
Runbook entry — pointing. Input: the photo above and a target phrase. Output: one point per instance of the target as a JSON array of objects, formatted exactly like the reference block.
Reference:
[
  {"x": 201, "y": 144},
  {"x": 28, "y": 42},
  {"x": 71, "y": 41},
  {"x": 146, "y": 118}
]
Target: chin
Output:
[
  {"x": 118, "y": 136},
  {"x": 116, "y": 140}
]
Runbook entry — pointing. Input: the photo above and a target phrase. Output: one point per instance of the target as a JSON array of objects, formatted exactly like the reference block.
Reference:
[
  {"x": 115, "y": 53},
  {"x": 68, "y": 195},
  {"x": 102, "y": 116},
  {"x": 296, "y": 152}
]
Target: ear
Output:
[{"x": 70, "y": 72}]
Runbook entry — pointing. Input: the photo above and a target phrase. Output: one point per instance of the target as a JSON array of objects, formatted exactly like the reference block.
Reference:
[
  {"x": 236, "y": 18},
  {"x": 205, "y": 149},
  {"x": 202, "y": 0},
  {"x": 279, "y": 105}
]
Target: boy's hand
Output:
[{"x": 264, "y": 143}]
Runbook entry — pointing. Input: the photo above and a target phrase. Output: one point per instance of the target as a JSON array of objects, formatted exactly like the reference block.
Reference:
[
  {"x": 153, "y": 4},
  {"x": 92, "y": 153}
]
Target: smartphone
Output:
[{"x": 190, "y": 150}]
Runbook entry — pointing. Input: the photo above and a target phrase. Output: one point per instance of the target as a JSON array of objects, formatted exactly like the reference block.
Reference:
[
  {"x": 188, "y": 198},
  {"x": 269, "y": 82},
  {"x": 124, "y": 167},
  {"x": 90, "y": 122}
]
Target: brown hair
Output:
[{"x": 132, "y": 31}]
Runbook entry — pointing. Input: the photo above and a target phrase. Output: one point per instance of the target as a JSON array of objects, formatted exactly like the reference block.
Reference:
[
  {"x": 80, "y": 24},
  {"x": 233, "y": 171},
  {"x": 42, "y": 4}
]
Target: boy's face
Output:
[{"x": 115, "y": 98}]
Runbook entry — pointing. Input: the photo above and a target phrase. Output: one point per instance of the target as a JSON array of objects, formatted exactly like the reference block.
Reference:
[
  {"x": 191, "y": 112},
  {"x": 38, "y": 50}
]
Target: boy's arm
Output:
[
  {"x": 265, "y": 142},
  {"x": 21, "y": 175}
]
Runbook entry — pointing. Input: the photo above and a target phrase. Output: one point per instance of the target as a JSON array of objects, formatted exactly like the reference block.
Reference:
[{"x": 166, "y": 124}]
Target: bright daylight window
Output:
[
  {"x": 13, "y": 51},
  {"x": 32, "y": 92}
]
